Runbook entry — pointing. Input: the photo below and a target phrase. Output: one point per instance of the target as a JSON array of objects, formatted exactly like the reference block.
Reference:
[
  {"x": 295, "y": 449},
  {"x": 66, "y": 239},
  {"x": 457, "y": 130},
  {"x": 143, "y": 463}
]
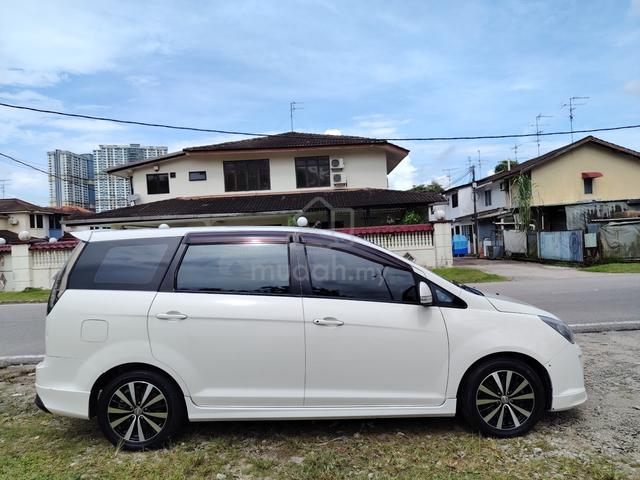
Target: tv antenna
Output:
[
  {"x": 3, "y": 183},
  {"x": 539, "y": 129},
  {"x": 293, "y": 106},
  {"x": 573, "y": 103},
  {"x": 515, "y": 153},
  {"x": 479, "y": 164}
]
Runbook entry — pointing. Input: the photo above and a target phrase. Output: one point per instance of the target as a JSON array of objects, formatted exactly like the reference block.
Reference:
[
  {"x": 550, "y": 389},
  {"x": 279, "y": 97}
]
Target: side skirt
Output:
[{"x": 202, "y": 414}]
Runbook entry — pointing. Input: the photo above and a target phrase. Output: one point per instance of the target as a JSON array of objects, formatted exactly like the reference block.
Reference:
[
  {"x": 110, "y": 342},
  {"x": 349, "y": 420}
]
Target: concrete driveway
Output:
[{"x": 575, "y": 296}]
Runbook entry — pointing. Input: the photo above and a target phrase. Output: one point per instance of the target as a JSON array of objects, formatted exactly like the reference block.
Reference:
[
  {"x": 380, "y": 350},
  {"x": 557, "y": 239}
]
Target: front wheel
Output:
[
  {"x": 503, "y": 398},
  {"x": 139, "y": 410}
]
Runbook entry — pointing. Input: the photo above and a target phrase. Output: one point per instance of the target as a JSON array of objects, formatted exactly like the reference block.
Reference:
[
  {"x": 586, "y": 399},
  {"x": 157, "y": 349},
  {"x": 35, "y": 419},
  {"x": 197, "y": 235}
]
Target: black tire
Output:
[
  {"x": 485, "y": 406},
  {"x": 131, "y": 424}
]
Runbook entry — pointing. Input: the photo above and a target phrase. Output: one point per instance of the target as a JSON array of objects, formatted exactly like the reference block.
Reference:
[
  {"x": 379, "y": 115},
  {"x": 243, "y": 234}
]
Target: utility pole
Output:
[
  {"x": 293, "y": 106},
  {"x": 475, "y": 209},
  {"x": 572, "y": 106},
  {"x": 538, "y": 129}
]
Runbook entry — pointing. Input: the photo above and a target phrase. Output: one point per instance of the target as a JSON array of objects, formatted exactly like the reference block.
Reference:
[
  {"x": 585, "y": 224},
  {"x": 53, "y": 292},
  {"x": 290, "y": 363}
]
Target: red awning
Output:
[{"x": 591, "y": 174}]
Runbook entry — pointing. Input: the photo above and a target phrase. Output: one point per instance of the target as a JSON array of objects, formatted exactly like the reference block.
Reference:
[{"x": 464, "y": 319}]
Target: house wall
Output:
[
  {"x": 24, "y": 224},
  {"x": 363, "y": 169},
  {"x": 560, "y": 182}
]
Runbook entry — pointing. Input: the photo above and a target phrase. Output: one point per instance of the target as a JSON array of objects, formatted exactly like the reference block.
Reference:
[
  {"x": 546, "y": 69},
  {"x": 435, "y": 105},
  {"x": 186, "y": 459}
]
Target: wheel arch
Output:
[
  {"x": 530, "y": 361},
  {"x": 113, "y": 372}
]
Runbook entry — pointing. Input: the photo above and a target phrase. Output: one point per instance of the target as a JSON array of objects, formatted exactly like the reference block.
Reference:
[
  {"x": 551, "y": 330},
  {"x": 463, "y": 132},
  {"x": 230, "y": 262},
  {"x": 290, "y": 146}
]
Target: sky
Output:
[{"x": 384, "y": 69}]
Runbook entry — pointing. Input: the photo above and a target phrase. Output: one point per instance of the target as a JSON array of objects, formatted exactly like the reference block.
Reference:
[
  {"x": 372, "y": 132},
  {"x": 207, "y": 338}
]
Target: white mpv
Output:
[{"x": 148, "y": 328}]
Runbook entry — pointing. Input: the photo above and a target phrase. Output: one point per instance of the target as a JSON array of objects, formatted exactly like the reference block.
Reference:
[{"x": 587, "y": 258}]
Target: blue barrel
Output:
[{"x": 460, "y": 245}]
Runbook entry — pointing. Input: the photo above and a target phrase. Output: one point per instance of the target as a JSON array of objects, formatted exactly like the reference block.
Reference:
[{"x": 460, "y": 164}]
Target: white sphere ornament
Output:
[
  {"x": 302, "y": 221},
  {"x": 163, "y": 225},
  {"x": 439, "y": 214},
  {"x": 3, "y": 241},
  {"x": 53, "y": 240},
  {"x": 24, "y": 236}
]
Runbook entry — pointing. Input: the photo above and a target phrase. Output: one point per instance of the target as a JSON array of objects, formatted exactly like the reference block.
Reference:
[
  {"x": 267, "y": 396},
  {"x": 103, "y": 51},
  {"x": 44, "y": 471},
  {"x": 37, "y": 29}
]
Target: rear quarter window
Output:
[{"x": 136, "y": 264}]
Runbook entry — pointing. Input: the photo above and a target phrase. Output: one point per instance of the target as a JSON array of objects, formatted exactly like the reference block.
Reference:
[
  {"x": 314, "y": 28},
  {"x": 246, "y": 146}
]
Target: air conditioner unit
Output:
[
  {"x": 338, "y": 179},
  {"x": 337, "y": 163},
  {"x": 13, "y": 221}
]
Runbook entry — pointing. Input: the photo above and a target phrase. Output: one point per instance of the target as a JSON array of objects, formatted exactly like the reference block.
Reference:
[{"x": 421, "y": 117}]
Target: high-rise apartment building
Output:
[
  {"x": 111, "y": 191},
  {"x": 71, "y": 179}
]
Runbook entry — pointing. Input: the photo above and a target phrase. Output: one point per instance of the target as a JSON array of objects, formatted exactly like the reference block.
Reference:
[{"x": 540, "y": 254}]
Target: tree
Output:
[
  {"x": 433, "y": 187},
  {"x": 523, "y": 189},
  {"x": 503, "y": 165}
]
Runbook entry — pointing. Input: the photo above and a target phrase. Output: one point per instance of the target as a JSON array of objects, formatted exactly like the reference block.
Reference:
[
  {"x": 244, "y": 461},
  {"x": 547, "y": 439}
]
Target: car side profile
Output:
[{"x": 148, "y": 328}]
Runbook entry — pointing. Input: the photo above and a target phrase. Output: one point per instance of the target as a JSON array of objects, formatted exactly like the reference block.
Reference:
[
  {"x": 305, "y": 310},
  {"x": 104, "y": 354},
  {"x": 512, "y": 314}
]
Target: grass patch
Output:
[
  {"x": 614, "y": 268},
  {"x": 37, "y": 445},
  {"x": 468, "y": 275},
  {"x": 28, "y": 295}
]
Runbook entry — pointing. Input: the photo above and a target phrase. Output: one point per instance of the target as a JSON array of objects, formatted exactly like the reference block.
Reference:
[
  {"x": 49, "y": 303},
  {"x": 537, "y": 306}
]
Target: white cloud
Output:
[
  {"x": 632, "y": 86},
  {"x": 403, "y": 176},
  {"x": 635, "y": 7},
  {"x": 377, "y": 125},
  {"x": 332, "y": 131}
]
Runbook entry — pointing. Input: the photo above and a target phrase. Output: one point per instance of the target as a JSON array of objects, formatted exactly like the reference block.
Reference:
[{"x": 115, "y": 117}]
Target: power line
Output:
[
  {"x": 69, "y": 178},
  {"x": 294, "y": 135}
]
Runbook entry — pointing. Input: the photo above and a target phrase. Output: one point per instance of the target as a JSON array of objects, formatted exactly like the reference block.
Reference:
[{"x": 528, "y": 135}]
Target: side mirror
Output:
[{"x": 426, "y": 297}]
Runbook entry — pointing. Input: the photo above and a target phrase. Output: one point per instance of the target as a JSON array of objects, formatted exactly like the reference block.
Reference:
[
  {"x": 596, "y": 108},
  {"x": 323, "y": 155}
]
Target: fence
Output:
[
  {"x": 428, "y": 244},
  {"x": 32, "y": 265}
]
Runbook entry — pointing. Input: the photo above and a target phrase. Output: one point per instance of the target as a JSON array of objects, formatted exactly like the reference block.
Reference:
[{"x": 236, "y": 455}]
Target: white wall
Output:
[
  {"x": 363, "y": 168},
  {"x": 465, "y": 201},
  {"x": 23, "y": 224}
]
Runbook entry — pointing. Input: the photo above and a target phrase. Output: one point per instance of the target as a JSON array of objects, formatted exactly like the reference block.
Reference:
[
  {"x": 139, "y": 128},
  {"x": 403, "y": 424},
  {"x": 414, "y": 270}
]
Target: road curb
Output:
[
  {"x": 605, "y": 327},
  {"x": 20, "y": 360}
]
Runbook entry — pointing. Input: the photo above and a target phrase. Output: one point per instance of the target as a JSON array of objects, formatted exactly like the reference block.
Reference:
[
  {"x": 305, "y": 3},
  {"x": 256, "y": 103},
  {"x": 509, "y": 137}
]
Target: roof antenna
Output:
[
  {"x": 572, "y": 106},
  {"x": 293, "y": 106},
  {"x": 539, "y": 129}
]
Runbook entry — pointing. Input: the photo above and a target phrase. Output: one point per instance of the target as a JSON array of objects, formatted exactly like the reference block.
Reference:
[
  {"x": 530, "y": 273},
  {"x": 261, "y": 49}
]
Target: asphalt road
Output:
[{"x": 576, "y": 297}]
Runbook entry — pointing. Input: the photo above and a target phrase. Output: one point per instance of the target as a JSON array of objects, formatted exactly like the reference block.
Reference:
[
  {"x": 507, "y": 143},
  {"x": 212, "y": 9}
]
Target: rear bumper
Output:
[
  {"x": 56, "y": 390},
  {"x": 567, "y": 378}
]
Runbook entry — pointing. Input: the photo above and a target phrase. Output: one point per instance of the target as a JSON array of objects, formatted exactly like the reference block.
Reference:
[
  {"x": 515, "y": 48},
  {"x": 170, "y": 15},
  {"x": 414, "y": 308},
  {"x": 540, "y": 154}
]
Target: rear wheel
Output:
[
  {"x": 503, "y": 398},
  {"x": 139, "y": 410}
]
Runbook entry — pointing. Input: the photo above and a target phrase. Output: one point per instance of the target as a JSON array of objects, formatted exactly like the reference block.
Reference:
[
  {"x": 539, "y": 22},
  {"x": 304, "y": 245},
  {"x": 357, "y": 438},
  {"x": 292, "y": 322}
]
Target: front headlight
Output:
[{"x": 559, "y": 326}]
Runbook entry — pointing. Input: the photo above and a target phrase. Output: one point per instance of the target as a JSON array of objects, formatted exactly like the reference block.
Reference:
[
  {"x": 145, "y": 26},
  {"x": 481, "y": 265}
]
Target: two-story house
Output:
[
  {"x": 336, "y": 180},
  {"x": 587, "y": 180},
  {"x": 41, "y": 222}
]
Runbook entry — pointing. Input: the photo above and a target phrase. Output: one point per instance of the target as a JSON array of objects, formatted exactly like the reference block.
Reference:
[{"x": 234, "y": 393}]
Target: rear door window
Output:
[
  {"x": 137, "y": 264},
  {"x": 235, "y": 268}
]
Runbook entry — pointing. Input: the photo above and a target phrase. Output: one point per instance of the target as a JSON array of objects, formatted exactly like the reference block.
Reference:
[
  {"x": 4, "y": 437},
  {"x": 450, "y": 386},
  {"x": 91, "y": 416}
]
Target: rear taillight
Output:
[
  {"x": 55, "y": 290},
  {"x": 60, "y": 280}
]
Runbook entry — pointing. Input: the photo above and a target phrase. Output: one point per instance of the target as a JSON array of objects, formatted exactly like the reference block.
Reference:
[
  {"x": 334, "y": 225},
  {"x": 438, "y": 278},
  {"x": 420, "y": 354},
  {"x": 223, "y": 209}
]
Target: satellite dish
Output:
[
  {"x": 53, "y": 240},
  {"x": 3, "y": 241},
  {"x": 24, "y": 236},
  {"x": 439, "y": 214},
  {"x": 163, "y": 225},
  {"x": 302, "y": 221}
]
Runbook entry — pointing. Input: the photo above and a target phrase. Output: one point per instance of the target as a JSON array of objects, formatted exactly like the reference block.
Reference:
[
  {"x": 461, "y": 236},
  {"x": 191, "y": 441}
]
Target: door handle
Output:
[
  {"x": 171, "y": 316},
  {"x": 328, "y": 321}
]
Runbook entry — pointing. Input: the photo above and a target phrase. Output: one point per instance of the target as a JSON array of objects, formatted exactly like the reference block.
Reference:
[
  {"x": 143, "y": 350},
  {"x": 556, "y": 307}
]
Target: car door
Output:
[
  {"x": 369, "y": 341},
  {"x": 229, "y": 321}
]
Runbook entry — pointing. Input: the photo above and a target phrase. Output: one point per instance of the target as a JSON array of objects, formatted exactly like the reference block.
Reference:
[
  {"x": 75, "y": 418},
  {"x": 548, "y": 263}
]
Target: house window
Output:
[
  {"x": 36, "y": 221},
  {"x": 588, "y": 185},
  {"x": 244, "y": 175},
  {"x": 157, "y": 183},
  {"x": 312, "y": 172},
  {"x": 454, "y": 200},
  {"x": 197, "y": 176},
  {"x": 487, "y": 197}
]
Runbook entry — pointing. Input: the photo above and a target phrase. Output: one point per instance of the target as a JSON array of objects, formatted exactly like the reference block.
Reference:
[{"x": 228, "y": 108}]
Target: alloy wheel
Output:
[
  {"x": 505, "y": 399},
  {"x": 137, "y": 411}
]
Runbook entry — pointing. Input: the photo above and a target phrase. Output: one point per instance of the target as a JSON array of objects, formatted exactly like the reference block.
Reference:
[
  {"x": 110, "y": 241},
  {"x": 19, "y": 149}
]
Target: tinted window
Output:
[
  {"x": 241, "y": 268},
  {"x": 243, "y": 175},
  {"x": 157, "y": 183},
  {"x": 335, "y": 273},
  {"x": 446, "y": 299},
  {"x": 123, "y": 265},
  {"x": 197, "y": 176},
  {"x": 312, "y": 172},
  {"x": 588, "y": 185}
]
